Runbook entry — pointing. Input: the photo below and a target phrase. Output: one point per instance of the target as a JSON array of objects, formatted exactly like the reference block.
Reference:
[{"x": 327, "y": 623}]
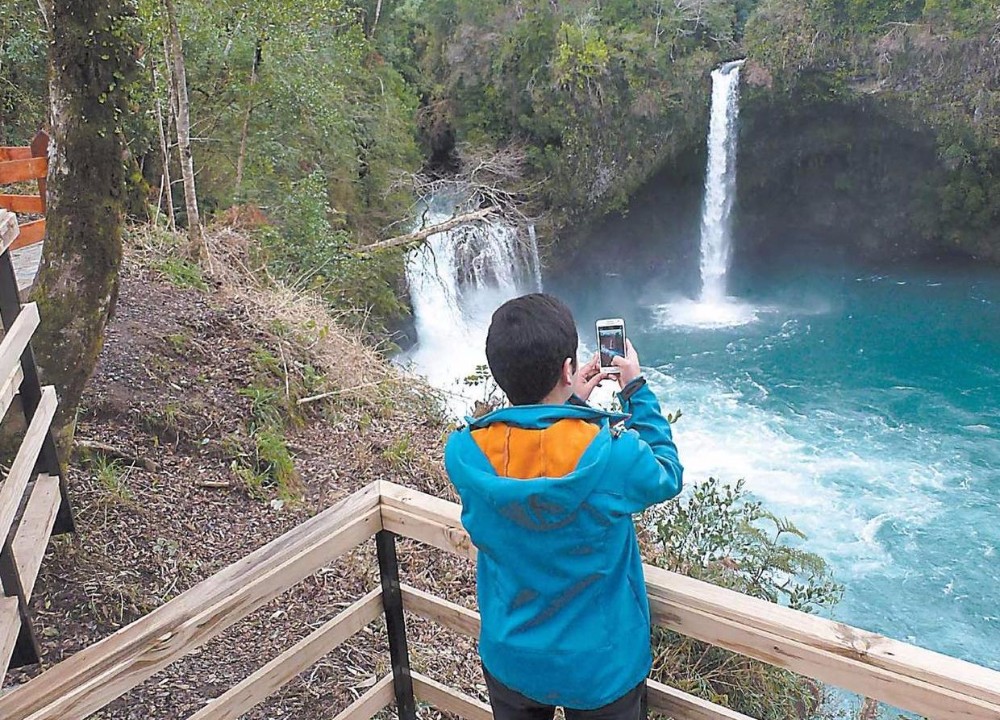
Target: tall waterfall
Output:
[
  {"x": 720, "y": 182},
  {"x": 456, "y": 280}
]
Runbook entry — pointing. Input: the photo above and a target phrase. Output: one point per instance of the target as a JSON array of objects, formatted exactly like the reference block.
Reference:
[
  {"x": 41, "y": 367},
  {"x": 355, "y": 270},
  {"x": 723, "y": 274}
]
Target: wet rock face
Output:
[{"x": 847, "y": 179}]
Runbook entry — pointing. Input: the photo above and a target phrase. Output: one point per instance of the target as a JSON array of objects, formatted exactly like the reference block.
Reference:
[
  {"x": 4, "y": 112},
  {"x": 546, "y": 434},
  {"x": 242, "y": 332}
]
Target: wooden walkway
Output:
[{"x": 927, "y": 683}]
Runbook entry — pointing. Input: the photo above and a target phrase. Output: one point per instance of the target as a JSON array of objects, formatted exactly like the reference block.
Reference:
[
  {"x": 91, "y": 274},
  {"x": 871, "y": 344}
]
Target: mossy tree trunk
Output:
[{"x": 91, "y": 61}]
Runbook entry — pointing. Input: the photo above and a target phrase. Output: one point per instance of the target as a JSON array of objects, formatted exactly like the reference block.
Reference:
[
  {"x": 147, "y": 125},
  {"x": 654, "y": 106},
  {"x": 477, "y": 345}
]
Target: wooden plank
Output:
[
  {"x": 12, "y": 171},
  {"x": 34, "y": 529},
  {"x": 414, "y": 501},
  {"x": 12, "y": 490},
  {"x": 14, "y": 153},
  {"x": 836, "y": 638},
  {"x": 17, "y": 339},
  {"x": 266, "y": 681},
  {"x": 449, "y": 700},
  {"x": 446, "y": 537},
  {"x": 376, "y": 698},
  {"x": 22, "y": 203},
  {"x": 31, "y": 233},
  {"x": 894, "y": 688},
  {"x": 11, "y": 349},
  {"x": 10, "y": 626},
  {"x": 10, "y": 388},
  {"x": 465, "y": 621},
  {"x": 9, "y": 229},
  {"x": 443, "y": 612},
  {"x": 675, "y": 703},
  {"x": 827, "y": 651},
  {"x": 102, "y": 672}
]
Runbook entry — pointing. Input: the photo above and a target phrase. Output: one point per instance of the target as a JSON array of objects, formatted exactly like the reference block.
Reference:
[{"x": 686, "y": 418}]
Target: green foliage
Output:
[
  {"x": 600, "y": 94},
  {"x": 719, "y": 535},
  {"x": 306, "y": 251},
  {"x": 294, "y": 87},
  {"x": 845, "y": 17},
  {"x": 966, "y": 16},
  {"x": 22, "y": 72},
  {"x": 269, "y": 468}
]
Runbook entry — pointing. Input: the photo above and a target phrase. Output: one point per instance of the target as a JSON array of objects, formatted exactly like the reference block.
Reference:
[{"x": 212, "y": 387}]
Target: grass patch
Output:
[
  {"x": 268, "y": 470},
  {"x": 181, "y": 273},
  {"x": 110, "y": 475}
]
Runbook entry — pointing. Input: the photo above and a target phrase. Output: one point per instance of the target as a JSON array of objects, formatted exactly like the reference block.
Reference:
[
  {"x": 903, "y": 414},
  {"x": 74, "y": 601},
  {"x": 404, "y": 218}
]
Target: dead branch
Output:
[
  {"x": 419, "y": 236},
  {"x": 95, "y": 446}
]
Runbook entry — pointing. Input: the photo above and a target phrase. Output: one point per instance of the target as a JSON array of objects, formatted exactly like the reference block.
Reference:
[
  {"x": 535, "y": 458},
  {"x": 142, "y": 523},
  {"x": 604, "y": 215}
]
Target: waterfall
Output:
[
  {"x": 456, "y": 280},
  {"x": 714, "y": 308},
  {"x": 720, "y": 182}
]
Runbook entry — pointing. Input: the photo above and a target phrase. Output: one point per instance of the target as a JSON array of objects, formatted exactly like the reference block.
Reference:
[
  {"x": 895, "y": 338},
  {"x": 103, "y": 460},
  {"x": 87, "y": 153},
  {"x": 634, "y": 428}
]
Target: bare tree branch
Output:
[{"x": 421, "y": 235}]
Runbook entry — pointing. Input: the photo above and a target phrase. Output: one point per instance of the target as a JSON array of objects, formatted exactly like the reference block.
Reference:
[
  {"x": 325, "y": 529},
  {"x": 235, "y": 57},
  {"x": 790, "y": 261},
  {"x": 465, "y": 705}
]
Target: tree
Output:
[
  {"x": 92, "y": 61},
  {"x": 182, "y": 116}
]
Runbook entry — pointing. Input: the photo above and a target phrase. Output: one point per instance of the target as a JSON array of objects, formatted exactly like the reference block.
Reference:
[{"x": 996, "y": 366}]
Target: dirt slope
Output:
[{"x": 173, "y": 493}]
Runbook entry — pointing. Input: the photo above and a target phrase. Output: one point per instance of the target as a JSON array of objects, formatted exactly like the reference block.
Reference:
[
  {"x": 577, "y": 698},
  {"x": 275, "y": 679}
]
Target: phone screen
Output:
[{"x": 612, "y": 343}]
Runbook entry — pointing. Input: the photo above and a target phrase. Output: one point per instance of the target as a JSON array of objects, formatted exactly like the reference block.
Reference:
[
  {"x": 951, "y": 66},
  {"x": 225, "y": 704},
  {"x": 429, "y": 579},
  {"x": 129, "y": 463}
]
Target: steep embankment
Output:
[{"x": 192, "y": 451}]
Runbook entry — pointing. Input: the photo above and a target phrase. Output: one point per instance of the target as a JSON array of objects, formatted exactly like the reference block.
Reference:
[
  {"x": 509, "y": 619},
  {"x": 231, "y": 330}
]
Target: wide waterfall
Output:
[
  {"x": 456, "y": 280},
  {"x": 720, "y": 182}
]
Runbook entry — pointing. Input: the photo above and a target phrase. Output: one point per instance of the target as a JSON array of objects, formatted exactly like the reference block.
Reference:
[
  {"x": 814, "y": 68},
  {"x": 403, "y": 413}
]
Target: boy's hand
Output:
[
  {"x": 588, "y": 377},
  {"x": 628, "y": 366}
]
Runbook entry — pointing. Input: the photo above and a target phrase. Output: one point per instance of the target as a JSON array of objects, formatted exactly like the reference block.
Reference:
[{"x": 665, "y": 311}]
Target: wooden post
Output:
[{"x": 392, "y": 601}]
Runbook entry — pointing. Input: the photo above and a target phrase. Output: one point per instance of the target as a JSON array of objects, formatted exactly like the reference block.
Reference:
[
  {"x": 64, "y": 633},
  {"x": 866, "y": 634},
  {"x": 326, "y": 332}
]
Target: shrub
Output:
[{"x": 719, "y": 535}]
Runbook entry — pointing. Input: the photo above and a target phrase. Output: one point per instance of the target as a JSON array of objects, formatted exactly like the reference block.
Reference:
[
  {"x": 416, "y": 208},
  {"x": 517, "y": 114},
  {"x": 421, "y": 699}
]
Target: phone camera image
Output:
[{"x": 612, "y": 344}]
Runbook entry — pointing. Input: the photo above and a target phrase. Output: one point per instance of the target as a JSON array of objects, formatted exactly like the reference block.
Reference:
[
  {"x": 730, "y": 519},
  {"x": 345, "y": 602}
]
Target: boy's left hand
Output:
[{"x": 588, "y": 377}]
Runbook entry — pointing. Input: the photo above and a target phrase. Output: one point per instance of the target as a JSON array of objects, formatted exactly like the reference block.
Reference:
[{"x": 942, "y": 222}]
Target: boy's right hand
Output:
[{"x": 628, "y": 366}]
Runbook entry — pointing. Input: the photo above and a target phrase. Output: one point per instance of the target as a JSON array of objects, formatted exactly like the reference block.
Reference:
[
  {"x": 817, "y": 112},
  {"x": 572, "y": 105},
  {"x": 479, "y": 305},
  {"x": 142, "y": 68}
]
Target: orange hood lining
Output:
[{"x": 523, "y": 454}]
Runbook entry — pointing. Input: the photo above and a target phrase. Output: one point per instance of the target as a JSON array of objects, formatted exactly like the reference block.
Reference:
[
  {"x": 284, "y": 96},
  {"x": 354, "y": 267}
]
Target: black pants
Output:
[{"x": 511, "y": 705}]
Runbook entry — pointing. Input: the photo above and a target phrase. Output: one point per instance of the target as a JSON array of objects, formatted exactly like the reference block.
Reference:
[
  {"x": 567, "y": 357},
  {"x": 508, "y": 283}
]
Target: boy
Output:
[{"x": 548, "y": 491}]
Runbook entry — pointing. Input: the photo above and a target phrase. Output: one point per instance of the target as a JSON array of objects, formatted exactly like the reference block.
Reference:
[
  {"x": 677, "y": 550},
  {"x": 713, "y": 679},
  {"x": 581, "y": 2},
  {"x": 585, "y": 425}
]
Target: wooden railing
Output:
[
  {"x": 26, "y": 164},
  {"x": 33, "y": 498},
  {"x": 907, "y": 677}
]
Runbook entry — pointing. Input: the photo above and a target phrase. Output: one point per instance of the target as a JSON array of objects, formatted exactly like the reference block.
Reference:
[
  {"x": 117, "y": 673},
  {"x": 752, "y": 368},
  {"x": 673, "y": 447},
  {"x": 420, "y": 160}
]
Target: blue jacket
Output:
[{"x": 548, "y": 493}]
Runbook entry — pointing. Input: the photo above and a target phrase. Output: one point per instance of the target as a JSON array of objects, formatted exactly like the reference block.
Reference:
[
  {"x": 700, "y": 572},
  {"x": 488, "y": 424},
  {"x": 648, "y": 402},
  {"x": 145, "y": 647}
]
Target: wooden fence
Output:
[
  {"x": 33, "y": 498},
  {"x": 22, "y": 165},
  {"x": 924, "y": 682}
]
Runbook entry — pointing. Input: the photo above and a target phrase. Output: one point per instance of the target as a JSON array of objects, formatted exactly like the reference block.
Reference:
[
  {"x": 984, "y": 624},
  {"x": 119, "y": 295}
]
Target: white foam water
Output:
[{"x": 456, "y": 280}]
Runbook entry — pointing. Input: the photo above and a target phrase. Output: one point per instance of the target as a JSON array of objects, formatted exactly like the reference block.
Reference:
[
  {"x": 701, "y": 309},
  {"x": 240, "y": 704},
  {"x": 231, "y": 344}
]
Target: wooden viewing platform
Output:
[{"x": 921, "y": 681}]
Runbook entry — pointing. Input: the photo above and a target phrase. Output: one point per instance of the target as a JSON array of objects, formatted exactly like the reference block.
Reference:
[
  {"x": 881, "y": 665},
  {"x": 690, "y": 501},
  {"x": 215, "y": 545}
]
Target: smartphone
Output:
[{"x": 611, "y": 342}]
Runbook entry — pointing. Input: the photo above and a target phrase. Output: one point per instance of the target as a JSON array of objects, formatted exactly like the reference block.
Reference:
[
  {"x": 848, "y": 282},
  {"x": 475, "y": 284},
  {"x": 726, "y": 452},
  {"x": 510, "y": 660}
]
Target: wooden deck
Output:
[{"x": 921, "y": 681}]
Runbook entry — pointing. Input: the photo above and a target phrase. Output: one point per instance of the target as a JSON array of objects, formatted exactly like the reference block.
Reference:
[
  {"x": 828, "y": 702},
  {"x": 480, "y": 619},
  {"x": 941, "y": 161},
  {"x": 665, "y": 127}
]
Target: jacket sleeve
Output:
[{"x": 655, "y": 472}]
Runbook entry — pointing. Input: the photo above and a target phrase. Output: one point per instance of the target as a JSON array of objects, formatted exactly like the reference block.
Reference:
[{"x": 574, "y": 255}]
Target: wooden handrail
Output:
[
  {"x": 662, "y": 698},
  {"x": 22, "y": 164},
  {"x": 899, "y": 674},
  {"x": 94, "y": 677}
]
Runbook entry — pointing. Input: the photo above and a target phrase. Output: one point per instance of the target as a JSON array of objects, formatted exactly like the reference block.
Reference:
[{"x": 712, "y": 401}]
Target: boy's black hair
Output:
[{"x": 529, "y": 339}]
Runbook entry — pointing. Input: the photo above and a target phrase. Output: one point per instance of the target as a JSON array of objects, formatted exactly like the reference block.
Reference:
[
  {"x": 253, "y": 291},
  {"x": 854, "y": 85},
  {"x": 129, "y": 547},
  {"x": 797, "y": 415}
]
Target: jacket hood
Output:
[{"x": 541, "y": 502}]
